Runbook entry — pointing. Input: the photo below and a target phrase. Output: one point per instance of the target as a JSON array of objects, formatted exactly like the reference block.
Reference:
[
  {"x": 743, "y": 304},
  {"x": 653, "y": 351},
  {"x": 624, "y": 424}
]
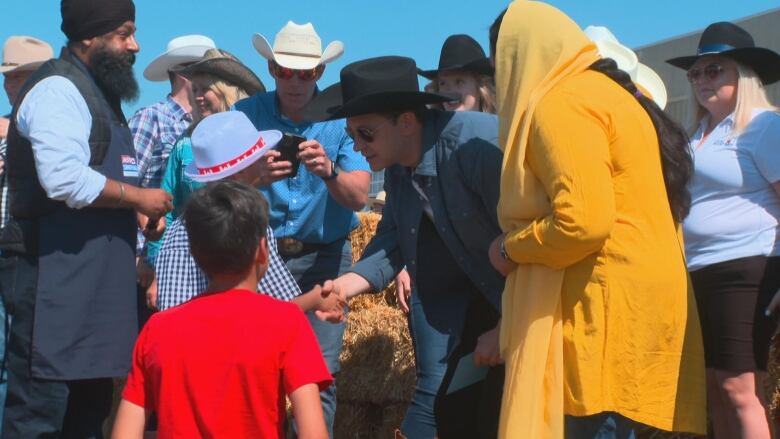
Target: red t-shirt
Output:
[{"x": 221, "y": 364}]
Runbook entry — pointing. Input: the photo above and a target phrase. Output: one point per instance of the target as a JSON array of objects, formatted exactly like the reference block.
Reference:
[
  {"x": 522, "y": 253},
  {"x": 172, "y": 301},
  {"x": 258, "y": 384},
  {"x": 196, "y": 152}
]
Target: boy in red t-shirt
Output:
[{"x": 221, "y": 364}]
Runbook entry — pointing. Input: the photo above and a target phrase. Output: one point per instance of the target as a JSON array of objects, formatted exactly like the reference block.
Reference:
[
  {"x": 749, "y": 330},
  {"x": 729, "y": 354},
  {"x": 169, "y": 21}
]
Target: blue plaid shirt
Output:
[
  {"x": 155, "y": 129},
  {"x": 301, "y": 207},
  {"x": 179, "y": 278}
]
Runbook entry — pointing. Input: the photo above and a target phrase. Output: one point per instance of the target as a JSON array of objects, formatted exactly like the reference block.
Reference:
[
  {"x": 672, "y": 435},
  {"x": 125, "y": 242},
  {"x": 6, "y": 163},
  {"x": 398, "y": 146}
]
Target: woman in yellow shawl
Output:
[{"x": 599, "y": 328}]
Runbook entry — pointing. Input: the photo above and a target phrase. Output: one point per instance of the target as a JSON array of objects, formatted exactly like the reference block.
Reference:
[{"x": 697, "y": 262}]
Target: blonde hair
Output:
[
  {"x": 486, "y": 88},
  {"x": 227, "y": 93},
  {"x": 750, "y": 96}
]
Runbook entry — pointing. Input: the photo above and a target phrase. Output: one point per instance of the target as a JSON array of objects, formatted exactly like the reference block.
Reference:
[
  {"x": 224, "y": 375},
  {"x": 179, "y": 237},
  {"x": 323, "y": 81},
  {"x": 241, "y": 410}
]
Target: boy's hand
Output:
[{"x": 332, "y": 305}]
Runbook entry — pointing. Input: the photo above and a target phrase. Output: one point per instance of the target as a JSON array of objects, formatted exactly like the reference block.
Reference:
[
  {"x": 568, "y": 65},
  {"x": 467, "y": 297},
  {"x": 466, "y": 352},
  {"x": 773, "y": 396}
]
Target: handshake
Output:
[{"x": 328, "y": 301}]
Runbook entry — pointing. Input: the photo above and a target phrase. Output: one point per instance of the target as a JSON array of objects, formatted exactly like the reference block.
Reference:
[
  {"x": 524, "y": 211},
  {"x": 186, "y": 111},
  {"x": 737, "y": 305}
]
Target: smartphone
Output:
[{"x": 288, "y": 146}]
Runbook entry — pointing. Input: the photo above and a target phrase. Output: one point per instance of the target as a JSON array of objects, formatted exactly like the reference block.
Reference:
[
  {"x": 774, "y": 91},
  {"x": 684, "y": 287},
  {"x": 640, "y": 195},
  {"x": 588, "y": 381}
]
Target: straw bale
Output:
[
  {"x": 367, "y": 421},
  {"x": 377, "y": 361},
  {"x": 360, "y": 238}
]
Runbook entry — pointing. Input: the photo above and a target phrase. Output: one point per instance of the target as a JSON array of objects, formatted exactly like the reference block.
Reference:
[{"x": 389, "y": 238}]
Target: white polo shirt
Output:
[{"x": 735, "y": 210}]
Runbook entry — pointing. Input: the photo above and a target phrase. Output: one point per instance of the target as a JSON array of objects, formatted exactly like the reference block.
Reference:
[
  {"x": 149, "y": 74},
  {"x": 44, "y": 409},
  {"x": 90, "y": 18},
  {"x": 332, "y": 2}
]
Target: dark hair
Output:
[
  {"x": 676, "y": 160},
  {"x": 225, "y": 222},
  {"x": 494, "y": 29}
]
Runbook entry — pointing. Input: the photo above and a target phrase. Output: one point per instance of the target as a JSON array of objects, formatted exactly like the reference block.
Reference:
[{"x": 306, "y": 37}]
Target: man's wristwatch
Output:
[
  {"x": 333, "y": 172},
  {"x": 502, "y": 250}
]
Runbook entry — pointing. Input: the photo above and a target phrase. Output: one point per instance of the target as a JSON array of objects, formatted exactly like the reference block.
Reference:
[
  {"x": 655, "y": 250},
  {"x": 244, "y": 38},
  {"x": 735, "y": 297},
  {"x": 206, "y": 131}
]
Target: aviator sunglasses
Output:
[
  {"x": 710, "y": 73},
  {"x": 304, "y": 75}
]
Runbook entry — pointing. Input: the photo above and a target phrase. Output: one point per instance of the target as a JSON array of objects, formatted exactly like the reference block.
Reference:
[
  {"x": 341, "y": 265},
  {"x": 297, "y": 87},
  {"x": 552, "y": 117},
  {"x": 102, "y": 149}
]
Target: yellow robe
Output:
[{"x": 599, "y": 315}]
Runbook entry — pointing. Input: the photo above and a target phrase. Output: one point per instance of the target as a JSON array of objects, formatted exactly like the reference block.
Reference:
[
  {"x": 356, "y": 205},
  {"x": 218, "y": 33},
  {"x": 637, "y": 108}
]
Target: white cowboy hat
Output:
[
  {"x": 226, "y": 143},
  {"x": 297, "y": 47},
  {"x": 180, "y": 50},
  {"x": 24, "y": 54},
  {"x": 609, "y": 47}
]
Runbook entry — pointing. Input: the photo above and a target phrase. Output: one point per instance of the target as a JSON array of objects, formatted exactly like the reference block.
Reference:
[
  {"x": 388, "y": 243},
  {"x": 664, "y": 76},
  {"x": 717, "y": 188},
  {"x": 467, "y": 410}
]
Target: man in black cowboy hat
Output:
[
  {"x": 442, "y": 173},
  {"x": 68, "y": 261}
]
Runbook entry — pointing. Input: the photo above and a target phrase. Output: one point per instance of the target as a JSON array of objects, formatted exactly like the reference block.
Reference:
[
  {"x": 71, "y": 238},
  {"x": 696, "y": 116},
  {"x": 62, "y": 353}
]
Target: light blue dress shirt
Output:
[
  {"x": 55, "y": 119},
  {"x": 301, "y": 207}
]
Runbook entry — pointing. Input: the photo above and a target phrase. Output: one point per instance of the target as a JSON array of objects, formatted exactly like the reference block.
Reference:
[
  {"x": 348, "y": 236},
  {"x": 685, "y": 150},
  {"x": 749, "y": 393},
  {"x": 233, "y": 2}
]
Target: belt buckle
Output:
[{"x": 289, "y": 246}]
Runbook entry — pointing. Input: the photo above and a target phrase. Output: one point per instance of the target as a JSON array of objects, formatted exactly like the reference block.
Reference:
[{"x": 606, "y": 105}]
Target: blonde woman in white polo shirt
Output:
[{"x": 731, "y": 233}]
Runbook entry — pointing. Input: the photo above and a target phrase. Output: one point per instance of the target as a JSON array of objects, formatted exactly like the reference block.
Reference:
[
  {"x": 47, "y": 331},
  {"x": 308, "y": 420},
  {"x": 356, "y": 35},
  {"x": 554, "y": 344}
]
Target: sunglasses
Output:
[
  {"x": 365, "y": 134},
  {"x": 304, "y": 75},
  {"x": 710, "y": 73}
]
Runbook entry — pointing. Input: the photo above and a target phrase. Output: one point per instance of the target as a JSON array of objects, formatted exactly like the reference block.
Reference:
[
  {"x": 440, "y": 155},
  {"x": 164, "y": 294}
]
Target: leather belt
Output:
[{"x": 292, "y": 247}]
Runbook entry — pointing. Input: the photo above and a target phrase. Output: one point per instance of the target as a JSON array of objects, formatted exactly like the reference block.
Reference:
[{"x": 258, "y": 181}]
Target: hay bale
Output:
[
  {"x": 377, "y": 361},
  {"x": 367, "y": 421},
  {"x": 360, "y": 238}
]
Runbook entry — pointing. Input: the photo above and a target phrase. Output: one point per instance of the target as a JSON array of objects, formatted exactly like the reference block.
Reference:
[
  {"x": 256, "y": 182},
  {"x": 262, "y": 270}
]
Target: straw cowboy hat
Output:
[
  {"x": 224, "y": 65},
  {"x": 461, "y": 52},
  {"x": 180, "y": 50},
  {"x": 226, "y": 143},
  {"x": 643, "y": 76},
  {"x": 373, "y": 85},
  {"x": 22, "y": 53},
  {"x": 298, "y": 47},
  {"x": 729, "y": 40}
]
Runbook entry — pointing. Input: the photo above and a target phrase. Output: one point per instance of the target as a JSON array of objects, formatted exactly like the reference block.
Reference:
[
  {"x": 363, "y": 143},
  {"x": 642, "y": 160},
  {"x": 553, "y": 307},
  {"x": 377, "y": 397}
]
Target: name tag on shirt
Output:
[{"x": 129, "y": 166}]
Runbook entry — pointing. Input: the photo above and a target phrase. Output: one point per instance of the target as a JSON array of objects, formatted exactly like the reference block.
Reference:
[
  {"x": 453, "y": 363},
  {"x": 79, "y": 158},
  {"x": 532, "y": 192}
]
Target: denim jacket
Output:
[{"x": 463, "y": 162}]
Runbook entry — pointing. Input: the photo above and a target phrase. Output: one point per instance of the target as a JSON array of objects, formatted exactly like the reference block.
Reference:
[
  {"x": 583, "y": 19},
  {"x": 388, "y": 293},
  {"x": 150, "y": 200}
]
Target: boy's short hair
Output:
[{"x": 225, "y": 221}]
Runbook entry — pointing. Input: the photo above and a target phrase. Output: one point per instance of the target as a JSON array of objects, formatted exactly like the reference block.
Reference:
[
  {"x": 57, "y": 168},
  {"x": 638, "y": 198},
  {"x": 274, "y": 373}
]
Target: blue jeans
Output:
[
  {"x": 312, "y": 269},
  {"x": 605, "y": 425},
  {"x": 435, "y": 328}
]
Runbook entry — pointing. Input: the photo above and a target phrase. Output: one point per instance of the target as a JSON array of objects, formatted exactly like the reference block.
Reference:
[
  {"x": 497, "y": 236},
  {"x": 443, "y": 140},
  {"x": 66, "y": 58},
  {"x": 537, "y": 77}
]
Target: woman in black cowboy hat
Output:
[
  {"x": 463, "y": 69},
  {"x": 731, "y": 235}
]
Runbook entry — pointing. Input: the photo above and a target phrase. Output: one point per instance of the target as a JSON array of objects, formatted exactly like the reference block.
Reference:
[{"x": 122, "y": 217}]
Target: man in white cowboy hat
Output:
[
  {"x": 157, "y": 127},
  {"x": 312, "y": 213},
  {"x": 643, "y": 76}
]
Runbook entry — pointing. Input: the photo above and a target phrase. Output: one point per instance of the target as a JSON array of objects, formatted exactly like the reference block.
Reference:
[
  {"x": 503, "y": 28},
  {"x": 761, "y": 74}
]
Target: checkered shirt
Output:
[
  {"x": 155, "y": 130},
  {"x": 179, "y": 278}
]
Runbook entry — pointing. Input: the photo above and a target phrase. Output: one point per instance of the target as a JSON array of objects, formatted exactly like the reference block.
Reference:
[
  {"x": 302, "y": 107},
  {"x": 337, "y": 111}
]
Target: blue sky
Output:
[{"x": 367, "y": 27}]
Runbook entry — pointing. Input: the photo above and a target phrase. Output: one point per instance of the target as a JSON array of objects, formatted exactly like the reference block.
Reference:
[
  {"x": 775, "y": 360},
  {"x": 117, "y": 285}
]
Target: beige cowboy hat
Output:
[
  {"x": 180, "y": 50},
  {"x": 224, "y": 65},
  {"x": 297, "y": 47},
  {"x": 22, "y": 53},
  {"x": 643, "y": 76}
]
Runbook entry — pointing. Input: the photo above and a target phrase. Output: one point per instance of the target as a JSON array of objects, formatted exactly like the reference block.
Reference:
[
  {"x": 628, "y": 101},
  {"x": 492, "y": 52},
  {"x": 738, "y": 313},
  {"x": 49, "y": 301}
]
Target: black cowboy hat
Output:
[
  {"x": 461, "y": 52},
  {"x": 224, "y": 65},
  {"x": 375, "y": 85},
  {"x": 729, "y": 40}
]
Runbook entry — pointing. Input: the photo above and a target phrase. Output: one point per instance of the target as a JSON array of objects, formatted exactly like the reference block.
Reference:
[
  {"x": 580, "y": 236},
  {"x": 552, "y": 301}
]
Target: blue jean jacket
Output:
[{"x": 463, "y": 164}]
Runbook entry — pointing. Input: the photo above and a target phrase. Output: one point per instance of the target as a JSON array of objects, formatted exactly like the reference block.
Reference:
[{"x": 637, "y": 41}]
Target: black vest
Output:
[{"x": 27, "y": 198}]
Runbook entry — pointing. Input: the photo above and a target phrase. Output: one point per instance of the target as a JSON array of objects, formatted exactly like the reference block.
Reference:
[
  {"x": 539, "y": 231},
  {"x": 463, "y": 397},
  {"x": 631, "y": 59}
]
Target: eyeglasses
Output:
[
  {"x": 365, "y": 134},
  {"x": 710, "y": 73},
  {"x": 304, "y": 75}
]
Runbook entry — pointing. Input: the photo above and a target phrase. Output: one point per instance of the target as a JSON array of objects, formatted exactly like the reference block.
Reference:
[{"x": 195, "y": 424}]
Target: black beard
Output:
[{"x": 114, "y": 74}]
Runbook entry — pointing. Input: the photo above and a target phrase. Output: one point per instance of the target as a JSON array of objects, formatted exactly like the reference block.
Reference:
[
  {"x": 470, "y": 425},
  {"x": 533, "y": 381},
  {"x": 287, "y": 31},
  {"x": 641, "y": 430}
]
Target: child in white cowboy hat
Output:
[{"x": 227, "y": 146}]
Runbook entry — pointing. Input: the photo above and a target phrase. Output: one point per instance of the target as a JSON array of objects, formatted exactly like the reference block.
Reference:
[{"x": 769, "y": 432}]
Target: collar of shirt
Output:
[
  {"x": 277, "y": 112},
  {"x": 427, "y": 165},
  {"x": 176, "y": 110}
]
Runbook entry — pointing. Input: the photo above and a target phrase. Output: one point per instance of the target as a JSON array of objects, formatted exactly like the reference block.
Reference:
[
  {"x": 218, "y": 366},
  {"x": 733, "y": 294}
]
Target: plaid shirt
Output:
[
  {"x": 179, "y": 278},
  {"x": 155, "y": 129}
]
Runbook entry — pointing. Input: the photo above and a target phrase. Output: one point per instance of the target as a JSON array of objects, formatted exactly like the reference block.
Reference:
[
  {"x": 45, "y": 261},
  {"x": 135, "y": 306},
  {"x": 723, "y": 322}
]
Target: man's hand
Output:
[
  {"x": 487, "y": 351},
  {"x": 152, "y": 229},
  {"x": 502, "y": 265},
  {"x": 313, "y": 156},
  {"x": 403, "y": 290},
  {"x": 154, "y": 203},
  {"x": 332, "y": 305},
  {"x": 4, "y": 124},
  {"x": 270, "y": 169}
]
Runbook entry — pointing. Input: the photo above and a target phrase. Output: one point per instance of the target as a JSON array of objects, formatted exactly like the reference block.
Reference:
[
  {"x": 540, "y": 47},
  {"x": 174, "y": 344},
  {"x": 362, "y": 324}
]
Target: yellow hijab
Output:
[{"x": 538, "y": 46}]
